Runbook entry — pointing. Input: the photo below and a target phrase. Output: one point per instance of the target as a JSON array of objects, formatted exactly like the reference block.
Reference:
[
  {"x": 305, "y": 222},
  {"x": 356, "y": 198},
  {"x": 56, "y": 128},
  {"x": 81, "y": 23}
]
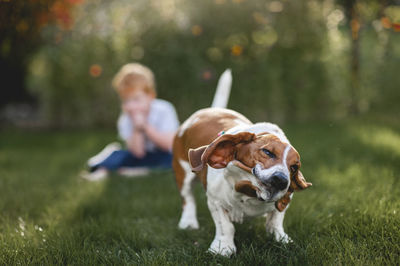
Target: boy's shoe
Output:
[
  {"x": 101, "y": 156},
  {"x": 133, "y": 171},
  {"x": 97, "y": 175}
]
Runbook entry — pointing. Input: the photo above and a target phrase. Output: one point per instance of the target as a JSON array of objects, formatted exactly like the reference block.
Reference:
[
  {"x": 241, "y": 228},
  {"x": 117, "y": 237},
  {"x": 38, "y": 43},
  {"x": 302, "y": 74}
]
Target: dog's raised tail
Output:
[{"x": 223, "y": 91}]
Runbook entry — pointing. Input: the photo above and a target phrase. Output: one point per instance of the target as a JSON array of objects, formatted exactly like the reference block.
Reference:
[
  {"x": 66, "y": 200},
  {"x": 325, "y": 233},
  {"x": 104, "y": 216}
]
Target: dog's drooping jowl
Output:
[{"x": 246, "y": 169}]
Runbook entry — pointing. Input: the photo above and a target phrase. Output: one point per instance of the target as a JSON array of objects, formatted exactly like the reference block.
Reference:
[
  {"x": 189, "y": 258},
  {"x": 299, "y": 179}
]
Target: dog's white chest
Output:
[{"x": 220, "y": 189}]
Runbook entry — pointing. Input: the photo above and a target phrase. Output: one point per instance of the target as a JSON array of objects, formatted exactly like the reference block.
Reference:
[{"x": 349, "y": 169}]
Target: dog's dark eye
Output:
[
  {"x": 269, "y": 153},
  {"x": 294, "y": 168}
]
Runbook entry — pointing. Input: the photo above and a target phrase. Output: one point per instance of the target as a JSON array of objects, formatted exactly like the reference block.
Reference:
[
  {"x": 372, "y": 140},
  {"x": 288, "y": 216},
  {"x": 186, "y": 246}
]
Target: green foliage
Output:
[
  {"x": 290, "y": 59},
  {"x": 21, "y": 23},
  {"x": 49, "y": 216}
]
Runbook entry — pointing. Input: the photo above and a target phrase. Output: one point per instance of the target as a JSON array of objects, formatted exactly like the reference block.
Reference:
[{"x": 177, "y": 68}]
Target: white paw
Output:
[
  {"x": 223, "y": 248},
  {"x": 282, "y": 237},
  {"x": 188, "y": 223}
]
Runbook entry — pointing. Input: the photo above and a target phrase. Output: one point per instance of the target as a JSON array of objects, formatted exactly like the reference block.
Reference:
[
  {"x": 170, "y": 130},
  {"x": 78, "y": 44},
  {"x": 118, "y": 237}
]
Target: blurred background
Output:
[{"x": 320, "y": 60}]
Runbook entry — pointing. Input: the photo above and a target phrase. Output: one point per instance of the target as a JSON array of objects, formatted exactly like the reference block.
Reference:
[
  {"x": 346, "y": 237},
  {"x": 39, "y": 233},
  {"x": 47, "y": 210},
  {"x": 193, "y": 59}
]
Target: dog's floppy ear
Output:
[
  {"x": 195, "y": 158},
  {"x": 298, "y": 182},
  {"x": 283, "y": 202},
  {"x": 247, "y": 188},
  {"x": 219, "y": 152}
]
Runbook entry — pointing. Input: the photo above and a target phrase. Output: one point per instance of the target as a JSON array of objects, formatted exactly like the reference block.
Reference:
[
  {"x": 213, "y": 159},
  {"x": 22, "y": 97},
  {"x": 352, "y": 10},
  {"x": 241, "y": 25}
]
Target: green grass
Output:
[{"x": 49, "y": 216}]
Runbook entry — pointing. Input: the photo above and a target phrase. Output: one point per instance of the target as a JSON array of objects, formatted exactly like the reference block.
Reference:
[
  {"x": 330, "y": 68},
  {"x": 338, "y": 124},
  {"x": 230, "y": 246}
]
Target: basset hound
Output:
[{"x": 246, "y": 169}]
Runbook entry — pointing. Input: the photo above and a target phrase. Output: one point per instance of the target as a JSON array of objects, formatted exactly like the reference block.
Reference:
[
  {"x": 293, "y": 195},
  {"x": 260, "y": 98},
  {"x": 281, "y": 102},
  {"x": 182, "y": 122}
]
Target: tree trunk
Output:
[{"x": 355, "y": 58}]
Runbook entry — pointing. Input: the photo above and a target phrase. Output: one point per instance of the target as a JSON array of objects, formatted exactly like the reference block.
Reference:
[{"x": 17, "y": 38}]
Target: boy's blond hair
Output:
[{"x": 134, "y": 76}]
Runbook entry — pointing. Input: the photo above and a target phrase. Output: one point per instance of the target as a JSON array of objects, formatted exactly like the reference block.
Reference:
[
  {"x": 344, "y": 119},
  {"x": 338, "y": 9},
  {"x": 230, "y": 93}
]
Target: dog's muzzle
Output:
[
  {"x": 271, "y": 179},
  {"x": 279, "y": 180}
]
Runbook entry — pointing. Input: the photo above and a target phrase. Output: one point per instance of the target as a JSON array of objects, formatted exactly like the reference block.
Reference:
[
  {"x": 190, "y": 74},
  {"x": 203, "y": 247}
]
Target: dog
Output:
[{"x": 246, "y": 169}]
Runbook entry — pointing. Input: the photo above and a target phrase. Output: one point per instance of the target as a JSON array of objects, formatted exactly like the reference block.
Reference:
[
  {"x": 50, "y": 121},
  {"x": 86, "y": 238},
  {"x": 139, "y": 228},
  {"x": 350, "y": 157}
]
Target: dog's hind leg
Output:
[
  {"x": 274, "y": 225},
  {"x": 185, "y": 177}
]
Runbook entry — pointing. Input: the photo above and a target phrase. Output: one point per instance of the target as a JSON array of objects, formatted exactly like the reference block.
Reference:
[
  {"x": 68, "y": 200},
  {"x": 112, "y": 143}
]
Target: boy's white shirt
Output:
[{"x": 162, "y": 116}]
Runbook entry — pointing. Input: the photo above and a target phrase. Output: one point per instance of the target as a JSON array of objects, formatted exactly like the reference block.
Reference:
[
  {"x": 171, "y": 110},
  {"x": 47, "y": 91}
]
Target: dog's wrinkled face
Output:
[{"x": 274, "y": 163}]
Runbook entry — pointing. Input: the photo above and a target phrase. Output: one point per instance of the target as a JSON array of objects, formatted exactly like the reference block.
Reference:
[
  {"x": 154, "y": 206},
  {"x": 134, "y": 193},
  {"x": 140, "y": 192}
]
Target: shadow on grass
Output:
[
  {"x": 135, "y": 221},
  {"x": 38, "y": 168}
]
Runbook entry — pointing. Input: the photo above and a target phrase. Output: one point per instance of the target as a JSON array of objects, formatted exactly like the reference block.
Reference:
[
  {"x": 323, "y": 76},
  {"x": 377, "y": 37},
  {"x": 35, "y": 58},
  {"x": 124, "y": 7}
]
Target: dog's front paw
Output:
[
  {"x": 283, "y": 238},
  {"x": 221, "y": 247},
  {"x": 279, "y": 234}
]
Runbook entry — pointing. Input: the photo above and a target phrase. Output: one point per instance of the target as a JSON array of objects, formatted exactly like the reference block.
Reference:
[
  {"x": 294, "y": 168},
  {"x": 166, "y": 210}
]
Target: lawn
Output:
[{"x": 48, "y": 215}]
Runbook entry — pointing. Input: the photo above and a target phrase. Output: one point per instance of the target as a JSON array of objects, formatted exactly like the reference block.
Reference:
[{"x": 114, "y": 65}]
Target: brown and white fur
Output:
[{"x": 246, "y": 169}]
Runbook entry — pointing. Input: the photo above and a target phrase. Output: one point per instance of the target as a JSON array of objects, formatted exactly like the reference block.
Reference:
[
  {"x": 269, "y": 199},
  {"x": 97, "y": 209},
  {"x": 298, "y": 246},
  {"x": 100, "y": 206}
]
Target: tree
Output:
[{"x": 20, "y": 35}]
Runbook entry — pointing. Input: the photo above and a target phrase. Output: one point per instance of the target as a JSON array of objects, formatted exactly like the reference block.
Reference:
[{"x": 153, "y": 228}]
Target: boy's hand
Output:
[
  {"x": 137, "y": 106},
  {"x": 139, "y": 119}
]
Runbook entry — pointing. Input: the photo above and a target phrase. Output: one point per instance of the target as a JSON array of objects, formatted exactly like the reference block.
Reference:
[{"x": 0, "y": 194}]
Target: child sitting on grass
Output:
[{"x": 146, "y": 124}]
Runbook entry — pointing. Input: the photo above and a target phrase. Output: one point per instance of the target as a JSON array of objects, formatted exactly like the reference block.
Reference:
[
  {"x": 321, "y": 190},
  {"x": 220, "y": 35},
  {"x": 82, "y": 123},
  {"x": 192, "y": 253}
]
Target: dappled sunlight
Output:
[
  {"x": 358, "y": 177},
  {"x": 353, "y": 174},
  {"x": 366, "y": 186},
  {"x": 379, "y": 138},
  {"x": 335, "y": 178}
]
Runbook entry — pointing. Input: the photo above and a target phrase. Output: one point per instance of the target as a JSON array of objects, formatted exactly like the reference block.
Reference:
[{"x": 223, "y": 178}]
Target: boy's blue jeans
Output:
[{"x": 124, "y": 158}]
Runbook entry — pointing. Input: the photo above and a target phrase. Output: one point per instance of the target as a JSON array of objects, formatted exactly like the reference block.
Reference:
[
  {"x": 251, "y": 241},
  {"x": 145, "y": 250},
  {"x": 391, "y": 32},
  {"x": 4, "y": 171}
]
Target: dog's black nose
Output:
[{"x": 279, "y": 180}]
